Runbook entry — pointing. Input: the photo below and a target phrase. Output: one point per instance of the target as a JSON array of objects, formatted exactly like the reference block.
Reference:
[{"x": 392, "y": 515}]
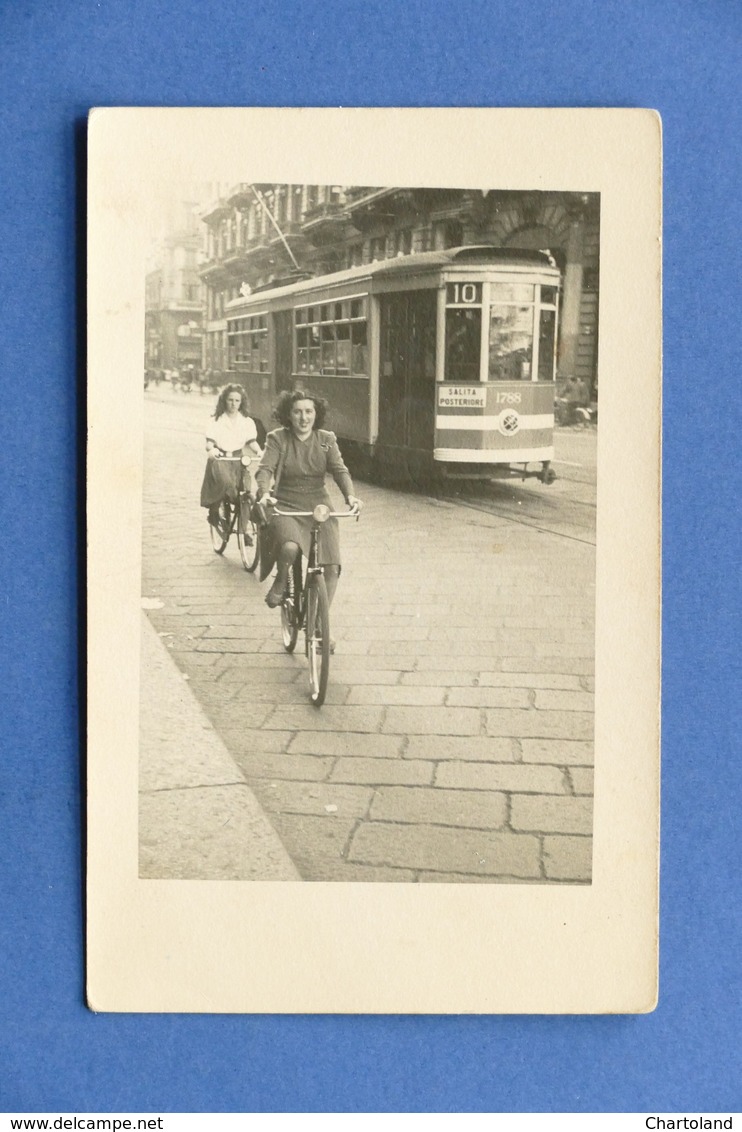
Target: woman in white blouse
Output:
[{"x": 231, "y": 432}]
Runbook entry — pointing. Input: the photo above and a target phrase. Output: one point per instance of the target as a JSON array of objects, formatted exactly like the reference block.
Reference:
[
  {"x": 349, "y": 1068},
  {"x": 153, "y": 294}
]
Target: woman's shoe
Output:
[{"x": 275, "y": 596}]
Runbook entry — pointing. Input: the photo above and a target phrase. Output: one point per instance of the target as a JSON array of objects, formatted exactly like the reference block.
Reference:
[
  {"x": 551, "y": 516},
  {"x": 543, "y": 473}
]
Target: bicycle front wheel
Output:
[
  {"x": 247, "y": 538},
  {"x": 290, "y": 609},
  {"x": 317, "y": 628},
  {"x": 220, "y": 534}
]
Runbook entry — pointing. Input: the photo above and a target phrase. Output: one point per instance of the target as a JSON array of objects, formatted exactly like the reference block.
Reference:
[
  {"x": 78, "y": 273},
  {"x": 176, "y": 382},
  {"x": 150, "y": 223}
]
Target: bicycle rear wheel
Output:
[
  {"x": 220, "y": 535},
  {"x": 290, "y": 609},
  {"x": 317, "y": 628},
  {"x": 248, "y": 539}
]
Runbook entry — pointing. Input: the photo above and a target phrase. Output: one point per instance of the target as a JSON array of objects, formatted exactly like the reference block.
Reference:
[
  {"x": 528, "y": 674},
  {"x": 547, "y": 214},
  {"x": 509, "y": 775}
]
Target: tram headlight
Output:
[{"x": 321, "y": 513}]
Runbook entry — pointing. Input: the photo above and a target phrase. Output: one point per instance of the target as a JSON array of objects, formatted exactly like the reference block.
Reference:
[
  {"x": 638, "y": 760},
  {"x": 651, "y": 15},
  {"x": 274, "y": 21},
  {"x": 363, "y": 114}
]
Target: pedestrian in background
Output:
[{"x": 576, "y": 396}]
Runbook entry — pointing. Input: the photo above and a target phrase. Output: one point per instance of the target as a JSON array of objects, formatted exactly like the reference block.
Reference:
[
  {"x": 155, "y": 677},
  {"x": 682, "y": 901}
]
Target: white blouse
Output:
[{"x": 231, "y": 433}]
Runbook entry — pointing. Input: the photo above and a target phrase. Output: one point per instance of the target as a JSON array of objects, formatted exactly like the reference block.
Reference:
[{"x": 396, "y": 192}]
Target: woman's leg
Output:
[{"x": 285, "y": 560}]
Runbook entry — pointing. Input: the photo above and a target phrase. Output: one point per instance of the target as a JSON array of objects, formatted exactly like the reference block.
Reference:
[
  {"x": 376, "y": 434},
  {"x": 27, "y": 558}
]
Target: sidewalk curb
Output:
[{"x": 198, "y": 819}]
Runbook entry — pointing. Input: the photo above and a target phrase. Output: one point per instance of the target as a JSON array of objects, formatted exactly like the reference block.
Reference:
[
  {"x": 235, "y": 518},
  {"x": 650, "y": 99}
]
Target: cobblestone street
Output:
[{"x": 456, "y": 740}]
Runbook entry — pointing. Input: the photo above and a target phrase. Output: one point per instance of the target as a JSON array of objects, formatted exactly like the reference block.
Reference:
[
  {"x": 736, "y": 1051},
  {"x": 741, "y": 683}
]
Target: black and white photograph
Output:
[
  {"x": 373, "y": 559},
  {"x": 424, "y": 363}
]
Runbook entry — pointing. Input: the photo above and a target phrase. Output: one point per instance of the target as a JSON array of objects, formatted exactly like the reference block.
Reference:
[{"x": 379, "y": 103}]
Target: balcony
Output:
[
  {"x": 241, "y": 195},
  {"x": 368, "y": 207},
  {"x": 217, "y": 210},
  {"x": 325, "y": 222},
  {"x": 293, "y": 234}
]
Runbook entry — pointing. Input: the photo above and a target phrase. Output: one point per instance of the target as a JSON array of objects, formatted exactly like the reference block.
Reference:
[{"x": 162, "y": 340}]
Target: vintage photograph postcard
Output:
[{"x": 373, "y": 560}]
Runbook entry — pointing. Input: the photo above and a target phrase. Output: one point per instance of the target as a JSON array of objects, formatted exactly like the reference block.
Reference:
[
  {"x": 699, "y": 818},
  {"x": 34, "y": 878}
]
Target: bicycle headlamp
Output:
[{"x": 321, "y": 513}]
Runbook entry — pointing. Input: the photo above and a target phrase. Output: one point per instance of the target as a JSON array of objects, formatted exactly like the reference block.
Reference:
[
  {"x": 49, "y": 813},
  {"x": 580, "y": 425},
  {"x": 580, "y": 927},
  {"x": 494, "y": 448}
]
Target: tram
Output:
[{"x": 439, "y": 364}]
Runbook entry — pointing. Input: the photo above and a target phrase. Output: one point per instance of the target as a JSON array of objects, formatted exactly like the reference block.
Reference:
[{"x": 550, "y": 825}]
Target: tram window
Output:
[
  {"x": 463, "y": 344},
  {"x": 331, "y": 339},
  {"x": 327, "y": 355},
  {"x": 511, "y": 292},
  {"x": 511, "y": 343},
  {"x": 342, "y": 345},
  {"x": 247, "y": 343},
  {"x": 359, "y": 348},
  {"x": 548, "y": 295},
  {"x": 313, "y": 358},
  {"x": 302, "y": 354},
  {"x": 547, "y": 326}
]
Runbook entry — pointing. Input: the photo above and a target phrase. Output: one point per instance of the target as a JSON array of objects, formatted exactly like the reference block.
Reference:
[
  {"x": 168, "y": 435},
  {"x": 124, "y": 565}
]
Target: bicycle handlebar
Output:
[{"x": 310, "y": 514}]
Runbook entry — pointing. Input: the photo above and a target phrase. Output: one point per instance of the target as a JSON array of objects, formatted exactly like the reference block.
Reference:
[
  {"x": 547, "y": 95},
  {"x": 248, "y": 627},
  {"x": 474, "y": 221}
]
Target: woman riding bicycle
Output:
[
  {"x": 232, "y": 432},
  {"x": 297, "y": 456}
]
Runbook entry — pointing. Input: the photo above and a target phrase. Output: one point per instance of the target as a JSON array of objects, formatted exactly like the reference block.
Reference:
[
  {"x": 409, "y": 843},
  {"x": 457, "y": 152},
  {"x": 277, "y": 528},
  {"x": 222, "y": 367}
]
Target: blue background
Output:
[{"x": 56, "y": 62}]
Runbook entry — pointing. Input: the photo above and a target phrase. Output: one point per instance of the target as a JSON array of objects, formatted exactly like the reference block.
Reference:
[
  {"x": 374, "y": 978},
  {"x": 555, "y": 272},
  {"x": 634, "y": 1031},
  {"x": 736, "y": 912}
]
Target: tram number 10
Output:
[{"x": 466, "y": 294}]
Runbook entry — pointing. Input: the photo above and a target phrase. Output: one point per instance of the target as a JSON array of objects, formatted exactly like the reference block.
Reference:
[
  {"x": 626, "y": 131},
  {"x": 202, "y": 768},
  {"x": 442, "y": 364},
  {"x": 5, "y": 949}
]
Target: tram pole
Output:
[{"x": 274, "y": 222}]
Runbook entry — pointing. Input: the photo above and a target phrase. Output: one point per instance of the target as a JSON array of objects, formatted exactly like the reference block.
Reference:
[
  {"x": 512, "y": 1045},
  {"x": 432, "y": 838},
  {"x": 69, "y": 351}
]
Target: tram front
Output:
[{"x": 496, "y": 367}]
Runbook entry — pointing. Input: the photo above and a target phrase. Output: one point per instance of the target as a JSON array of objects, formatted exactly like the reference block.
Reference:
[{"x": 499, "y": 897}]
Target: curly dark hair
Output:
[
  {"x": 289, "y": 397},
  {"x": 221, "y": 404}
]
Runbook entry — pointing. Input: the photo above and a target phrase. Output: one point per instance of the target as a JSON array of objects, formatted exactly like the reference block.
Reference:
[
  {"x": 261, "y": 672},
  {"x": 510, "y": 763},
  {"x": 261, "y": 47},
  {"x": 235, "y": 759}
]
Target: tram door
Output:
[
  {"x": 283, "y": 359},
  {"x": 407, "y": 370}
]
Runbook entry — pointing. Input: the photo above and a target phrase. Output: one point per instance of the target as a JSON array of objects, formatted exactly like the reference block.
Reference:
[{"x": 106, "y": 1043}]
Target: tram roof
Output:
[{"x": 481, "y": 254}]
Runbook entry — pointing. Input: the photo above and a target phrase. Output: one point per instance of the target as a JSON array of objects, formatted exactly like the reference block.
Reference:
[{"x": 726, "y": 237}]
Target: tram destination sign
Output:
[{"x": 461, "y": 397}]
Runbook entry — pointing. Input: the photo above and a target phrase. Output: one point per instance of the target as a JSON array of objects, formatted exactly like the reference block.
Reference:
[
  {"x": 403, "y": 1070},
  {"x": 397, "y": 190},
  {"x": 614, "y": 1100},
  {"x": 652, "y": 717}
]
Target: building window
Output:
[
  {"x": 331, "y": 339},
  {"x": 355, "y": 255},
  {"x": 280, "y": 205},
  {"x": 447, "y": 234}
]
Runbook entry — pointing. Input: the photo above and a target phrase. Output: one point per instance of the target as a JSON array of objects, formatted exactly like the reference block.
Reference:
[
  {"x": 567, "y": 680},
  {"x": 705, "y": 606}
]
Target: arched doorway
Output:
[{"x": 575, "y": 350}]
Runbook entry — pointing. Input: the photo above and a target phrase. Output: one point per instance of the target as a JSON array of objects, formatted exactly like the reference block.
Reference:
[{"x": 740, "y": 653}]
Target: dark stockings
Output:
[{"x": 286, "y": 558}]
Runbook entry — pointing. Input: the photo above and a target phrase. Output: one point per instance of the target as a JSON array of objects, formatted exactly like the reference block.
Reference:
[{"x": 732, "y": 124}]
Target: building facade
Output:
[
  {"x": 319, "y": 229},
  {"x": 174, "y": 300}
]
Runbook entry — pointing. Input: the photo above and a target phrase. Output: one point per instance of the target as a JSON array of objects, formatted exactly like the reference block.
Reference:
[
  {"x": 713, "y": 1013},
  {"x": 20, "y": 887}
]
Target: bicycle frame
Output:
[
  {"x": 235, "y": 512},
  {"x": 308, "y": 593}
]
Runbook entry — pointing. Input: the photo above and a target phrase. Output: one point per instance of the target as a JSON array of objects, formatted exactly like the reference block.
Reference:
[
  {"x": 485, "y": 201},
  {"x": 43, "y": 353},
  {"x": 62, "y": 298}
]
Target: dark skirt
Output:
[
  {"x": 221, "y": 481},
  {"x": 283, "y": 529}
]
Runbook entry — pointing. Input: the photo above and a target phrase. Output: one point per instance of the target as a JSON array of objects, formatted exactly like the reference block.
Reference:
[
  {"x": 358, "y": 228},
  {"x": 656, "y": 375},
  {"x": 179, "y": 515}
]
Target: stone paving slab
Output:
[
  {"x": 547, "y": 814},
  {"x": 513, "y": 778},
  {"x": 568, "y": 858},
  {"x": 198, "y": 819},
  {"x": 382, "y": 772},
  {"x": 441, "y": 848},
  {"x": 409, "y": 805},
  {"x": 455, "y": 745}
]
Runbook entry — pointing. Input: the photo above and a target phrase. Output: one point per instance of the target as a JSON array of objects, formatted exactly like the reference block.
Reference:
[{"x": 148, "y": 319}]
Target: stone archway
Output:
[
  {"x": 552, "y": 227},
  {"x": 538, "y": 238}
]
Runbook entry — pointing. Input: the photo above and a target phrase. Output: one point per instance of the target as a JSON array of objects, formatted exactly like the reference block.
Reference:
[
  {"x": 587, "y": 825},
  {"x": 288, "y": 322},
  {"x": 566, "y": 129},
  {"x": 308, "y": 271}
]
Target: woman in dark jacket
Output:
[{"x": 298, "y": 457}]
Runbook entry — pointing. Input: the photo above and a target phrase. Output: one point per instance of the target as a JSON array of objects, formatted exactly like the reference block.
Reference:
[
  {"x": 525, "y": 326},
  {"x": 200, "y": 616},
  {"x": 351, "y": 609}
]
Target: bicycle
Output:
[
  {"x": 238, "y": 515},
  {"x": 305, "y": 604}
]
